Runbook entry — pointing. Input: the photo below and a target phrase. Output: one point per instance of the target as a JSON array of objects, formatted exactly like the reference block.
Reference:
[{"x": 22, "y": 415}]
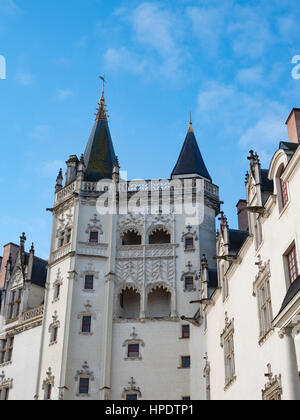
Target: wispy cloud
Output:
[
  {"x": 51, "y": 168},
  {"x": 250, "y": 75},
  {"x": 25, "y": 78},
  {"x": 116, "y": 59},
  {"x": 40, "y": 132},
  {"x": 63, "y": 94},
  {"x": 9, "y": 7}
]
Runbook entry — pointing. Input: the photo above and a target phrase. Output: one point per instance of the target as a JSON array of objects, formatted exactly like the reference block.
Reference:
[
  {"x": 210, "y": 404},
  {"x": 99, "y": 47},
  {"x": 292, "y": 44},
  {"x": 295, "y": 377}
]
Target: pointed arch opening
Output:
[
  {"x": 129, "y": 301},
  {"x": 131, "y": 237},
  {"x": 159, "y": 302},
  {"x": 159, "y": 236}
]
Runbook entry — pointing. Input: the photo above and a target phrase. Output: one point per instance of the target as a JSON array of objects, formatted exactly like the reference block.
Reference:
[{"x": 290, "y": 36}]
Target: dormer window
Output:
[{"x": 94, "y": 237}]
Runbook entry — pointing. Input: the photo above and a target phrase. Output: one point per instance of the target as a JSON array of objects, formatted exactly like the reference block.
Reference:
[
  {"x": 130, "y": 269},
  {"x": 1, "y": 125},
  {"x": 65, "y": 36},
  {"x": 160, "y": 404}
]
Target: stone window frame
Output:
[
  {"x": 189, "y": 234},
  {"x": 83, "y": 275},
  {"x": 95, "y": 226},
  {"x": 62, "y": 234},
  {"x": 227, "y": 343},
  {"x": 155, "y": 227},
  {"x": 132, "y": 389},
  {"x": 49, "y": 381},
  {"x": 195, "y": 278},
  {"x": 6, "y": 385},
  {"x": 273, "y": 388},
  {"x": 58, "y": 283},
  {"x": 14, "y": 305},
  {"x": 87, "y": 312},
  {"x": 133, "y": 340},
  {"x": 262, "y": 280},
  {"x": 84, "y": 373},
  {"x": 55, "y": 325},
  {"x": 6, "y": 349}
]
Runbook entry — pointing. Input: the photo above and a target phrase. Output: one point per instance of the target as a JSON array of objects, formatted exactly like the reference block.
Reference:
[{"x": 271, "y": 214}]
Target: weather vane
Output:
[{"x": 104, "y": 81}]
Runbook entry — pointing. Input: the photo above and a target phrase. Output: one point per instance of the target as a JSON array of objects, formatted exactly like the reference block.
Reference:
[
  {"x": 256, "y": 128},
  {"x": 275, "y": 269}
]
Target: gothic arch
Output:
[{"x": 159, "y": 228}]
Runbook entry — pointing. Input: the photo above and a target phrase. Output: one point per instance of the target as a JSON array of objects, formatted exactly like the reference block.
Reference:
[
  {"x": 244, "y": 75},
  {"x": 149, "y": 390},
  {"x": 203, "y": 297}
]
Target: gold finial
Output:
[
  {"x": 191, "y": 124},
  {"x": 101, "y": 112}
]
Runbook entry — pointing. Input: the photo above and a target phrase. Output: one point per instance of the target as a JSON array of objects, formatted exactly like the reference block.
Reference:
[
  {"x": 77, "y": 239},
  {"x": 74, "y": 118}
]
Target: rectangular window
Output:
[
  {"x": 54, "y": 335},
  {"x": 187, "y": 398},
  {"x": 189, "y": 243},
  {"x": 9, "y": 348},
  {"x": 229, "y": 359},
  {"x": 292, "y": 265},
  {"x": 68, "y": 239},
  {"x": 14, "y": 304},
  {"x": 94, "y": 237},
  {"x": 133, "y": 350},
  {"x": 89, "y": 282},
  {"x": 185, "y": 331},
  {"x": 2, "y": 351},
  {"x": 57, "y": 291},
  {"x": 189, "y": 283},
  {"x": 284, "y": 192},
  {"x": 48, "y": 392},
  {"x": 84, "y": 385},
  {"x": 185, "y": 361},
  {"x": 264, "y": 307},
  {"x": 86, "y": 324}
]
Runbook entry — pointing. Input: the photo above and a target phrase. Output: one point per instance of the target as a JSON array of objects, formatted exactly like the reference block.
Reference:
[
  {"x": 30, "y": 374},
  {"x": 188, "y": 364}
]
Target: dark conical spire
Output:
[
  {"x": 99, "y": 156},
  {"x": 190, "y": 159}
]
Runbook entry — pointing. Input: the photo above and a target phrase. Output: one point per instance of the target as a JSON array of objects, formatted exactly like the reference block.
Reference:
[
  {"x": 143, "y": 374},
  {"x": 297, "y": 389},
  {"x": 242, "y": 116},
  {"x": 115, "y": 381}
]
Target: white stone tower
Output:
[{"x": 124, "y": 265}]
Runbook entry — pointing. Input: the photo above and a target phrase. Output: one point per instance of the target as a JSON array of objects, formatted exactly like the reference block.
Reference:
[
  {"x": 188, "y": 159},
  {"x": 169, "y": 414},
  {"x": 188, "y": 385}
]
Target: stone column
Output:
[{"x": 291, "y": 373}]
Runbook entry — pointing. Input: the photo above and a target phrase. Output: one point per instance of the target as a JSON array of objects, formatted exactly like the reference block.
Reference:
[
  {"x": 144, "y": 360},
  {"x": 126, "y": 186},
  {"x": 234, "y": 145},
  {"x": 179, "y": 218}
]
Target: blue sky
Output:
[{"x": 229, "y": 62}]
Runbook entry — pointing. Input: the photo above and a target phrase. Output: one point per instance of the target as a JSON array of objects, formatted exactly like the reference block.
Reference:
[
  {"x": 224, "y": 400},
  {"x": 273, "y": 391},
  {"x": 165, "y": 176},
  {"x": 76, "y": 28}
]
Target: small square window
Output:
[
  {"x": 94, "y": 237},
  {"x": 187, "y": 398},
  {"x": 189, "y": 283},
  {"x": 185, "y": 330},
  {"x": 86, "y": 324},
  {"x": 185, "y": 361},
  {"x": 84, "y": 385},
  {"x": 133, "y": 350},
  {"x": 89, "y": 282}
]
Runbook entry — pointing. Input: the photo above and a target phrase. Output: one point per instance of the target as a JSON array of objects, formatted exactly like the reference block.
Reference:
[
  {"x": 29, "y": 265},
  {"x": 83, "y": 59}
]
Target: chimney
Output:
[
  {"x": 242, "y": 216},
  {"x": 293, "y": 125},
  {"x": 71, "y": 169},
  {"x": 9, "y": 249}
]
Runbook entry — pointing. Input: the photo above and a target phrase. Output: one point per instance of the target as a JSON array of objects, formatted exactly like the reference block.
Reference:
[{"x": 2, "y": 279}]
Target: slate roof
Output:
[
  {"x": 190, "y": 160},
  {"x": 236, "y": 239},
  {"x": 291, "y": 293},
  {"x": 266, "y": 184},
  {"x": 39, "y": 270},
  {"x": 99, "y": 156},
  {"x": 287, "y": 145}
]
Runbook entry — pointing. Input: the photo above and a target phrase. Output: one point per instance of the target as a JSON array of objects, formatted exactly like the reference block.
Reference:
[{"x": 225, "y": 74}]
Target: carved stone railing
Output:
[
  {"x": 86, "y": 248},
  {"x": 61, "y": 252},
  {"x": 65, "y": 192},
  {"x": 33, "y": 313},
  {"x": 147, "y": 251},
  {"x": 211, "y": 189}
]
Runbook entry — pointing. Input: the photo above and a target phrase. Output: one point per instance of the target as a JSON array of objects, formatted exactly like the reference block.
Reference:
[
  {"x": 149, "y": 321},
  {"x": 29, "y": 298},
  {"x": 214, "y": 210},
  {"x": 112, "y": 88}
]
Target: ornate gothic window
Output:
[
  {"x": 53, "y": 329},
  {"x": 189, "y": 238},
  {"x": 159, "y": 236},
  {"x": 261, "y": 289},
  {"x": 48, "y": 384},
  {"x": 57, "y": 286},
  {"x": 273, "y": 388},
  {"x": 131, "y": 237},
  {"x": 94, "y": 230},
  {"x": 133, "y": 347},
  {"x": 86, "y": 318},
  {"x": 131, "y": 392},
  {"x": 227, "y": 343},
  {"x": 84, "y": 377},
  {"x": 14, "y": 304},
  {"x": 5, "y": 386},
  {"x": 189, "y": 279},
  {"x": 6, "y": 349},
  {"x": 88, "y": 278}
]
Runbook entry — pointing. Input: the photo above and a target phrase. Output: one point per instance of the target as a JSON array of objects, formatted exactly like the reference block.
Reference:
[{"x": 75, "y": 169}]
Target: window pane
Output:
[
  {"x": 189, "y": 242},
  {"x": 93, "y": 236},
  {"x": 86, "y": 324},
  {"x": 133, "y": 350},
  {"x": 185, "y": 361},
  {"x": 189, "y": 283},
  {"x": 89, "y": 282},
  {"x": 185, "y": 331},
  {"x": 84, "y": 386}
]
